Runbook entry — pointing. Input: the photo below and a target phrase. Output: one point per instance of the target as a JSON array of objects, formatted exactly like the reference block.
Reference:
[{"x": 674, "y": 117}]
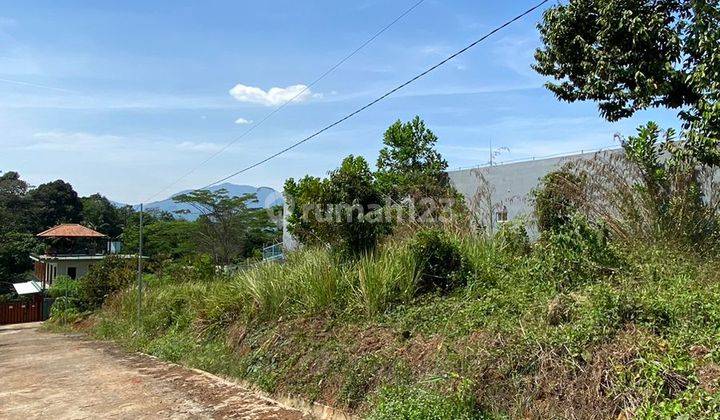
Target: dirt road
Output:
[{"x": 55, "y": 376}]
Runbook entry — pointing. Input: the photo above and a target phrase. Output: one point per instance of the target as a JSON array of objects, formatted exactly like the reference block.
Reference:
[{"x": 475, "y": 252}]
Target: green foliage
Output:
[
  {"x": 63, "y": 312},
  {"x": 227, "y": 228},
  {"x": 342, "y": 210},
  {"x": 556, "y": 199},
  {"x": 656, "y": 191},
  {"x": 409, "y": 165},
  {"x": 442, "y": 264},
  {"x": 54, "y": 203},
  {"x": 103, "y": 279},
  {"x": 353, "y": 208},
  {"x": 670, "y": 186},
  {"x": 384, "y": 278},
  {"x": 513, "y": 237},
  {"x": 162, "y": 239},
  {"x": 15, "y": 249},
  {"x": 403, "y": 402},
  {"x": 65, "y": 287},
  {"x": 576, "y": 254},
  {"x": 695, "y": 404},
  {"x": 101, "y": 215},
  {"x": 630, "y": 56},
  {"x": 13, "y": 203}
]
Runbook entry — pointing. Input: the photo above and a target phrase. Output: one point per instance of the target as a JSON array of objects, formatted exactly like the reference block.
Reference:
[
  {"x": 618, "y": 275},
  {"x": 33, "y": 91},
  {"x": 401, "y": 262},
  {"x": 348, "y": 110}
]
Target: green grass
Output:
[{"x": 569, "y": 327}]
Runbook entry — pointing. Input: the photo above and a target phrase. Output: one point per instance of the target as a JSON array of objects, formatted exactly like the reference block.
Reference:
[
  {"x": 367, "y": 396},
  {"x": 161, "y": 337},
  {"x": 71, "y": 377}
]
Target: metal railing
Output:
[{"x": 273, "y": 252}]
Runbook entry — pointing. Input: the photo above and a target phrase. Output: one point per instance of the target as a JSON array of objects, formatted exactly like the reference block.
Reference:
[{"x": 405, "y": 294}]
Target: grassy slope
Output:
[{"x": 563, "y": 331}]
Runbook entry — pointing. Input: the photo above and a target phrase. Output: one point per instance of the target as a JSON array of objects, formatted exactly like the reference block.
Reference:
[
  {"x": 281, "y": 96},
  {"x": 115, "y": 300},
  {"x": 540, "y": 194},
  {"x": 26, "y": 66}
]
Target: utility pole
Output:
[
  {"x": 491, "y": 210},
  {"x": 139, "y": 271}
]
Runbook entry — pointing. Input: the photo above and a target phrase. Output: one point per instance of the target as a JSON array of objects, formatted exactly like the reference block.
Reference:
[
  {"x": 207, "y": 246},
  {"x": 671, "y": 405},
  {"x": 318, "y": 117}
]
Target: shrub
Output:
[
  {"x": 442, "y": 264},
  {"x": 110, "y": 275},
  {"x": 62, "y": 312},
  {"x": 576, "y": 254},
  {"x": 557, "y": 199},
  {"x": 513, "y": 238},
  {"x": 67, "y": 305},
  {"x": 64, "y": 287},
  {"x": 340, "y": 210}
]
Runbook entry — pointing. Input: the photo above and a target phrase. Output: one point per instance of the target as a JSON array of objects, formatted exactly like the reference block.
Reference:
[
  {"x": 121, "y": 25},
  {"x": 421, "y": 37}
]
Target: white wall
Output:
[{"x": 510, "y": 184}]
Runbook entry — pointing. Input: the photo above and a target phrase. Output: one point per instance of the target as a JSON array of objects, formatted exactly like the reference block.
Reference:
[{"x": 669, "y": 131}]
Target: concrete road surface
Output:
[{"x": 56, "y": 376}]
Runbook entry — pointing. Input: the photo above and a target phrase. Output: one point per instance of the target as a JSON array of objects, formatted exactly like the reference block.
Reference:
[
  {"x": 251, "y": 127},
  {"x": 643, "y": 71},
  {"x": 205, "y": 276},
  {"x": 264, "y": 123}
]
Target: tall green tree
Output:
[
  {"x": 228, "y": 229},
  {"x": 342, "y": 210},
  {"x": 100, "y": 214},
  {"x": 162, "y": 239},
  {"x": 13, "y": 202},
  {"x": 409, "y": 165},
  {"x": 637, "y": 54},
  {"x": 54, "y": 203},
  {"x": 15, "y": 249}
]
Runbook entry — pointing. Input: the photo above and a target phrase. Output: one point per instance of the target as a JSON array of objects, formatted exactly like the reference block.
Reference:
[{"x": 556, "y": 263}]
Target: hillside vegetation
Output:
[
  {"x": 572, "y": 326},
  {"x": 612, "y": 312}
]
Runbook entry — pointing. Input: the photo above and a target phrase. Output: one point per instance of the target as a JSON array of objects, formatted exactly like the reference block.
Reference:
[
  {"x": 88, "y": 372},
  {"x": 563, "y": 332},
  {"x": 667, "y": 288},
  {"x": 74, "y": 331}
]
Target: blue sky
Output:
[{"x": 123, "y": 97}]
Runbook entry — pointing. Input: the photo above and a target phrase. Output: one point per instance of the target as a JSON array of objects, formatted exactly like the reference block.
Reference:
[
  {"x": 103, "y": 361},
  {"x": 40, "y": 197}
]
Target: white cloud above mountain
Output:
[{"x": 274, "y": 96}]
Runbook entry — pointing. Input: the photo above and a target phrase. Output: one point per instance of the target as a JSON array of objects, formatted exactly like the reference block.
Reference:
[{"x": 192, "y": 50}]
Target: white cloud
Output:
[
  {"x": 273, "y": 97},
  {"x": 199, "y": 146},
  {"x": 243, "y": 121}
]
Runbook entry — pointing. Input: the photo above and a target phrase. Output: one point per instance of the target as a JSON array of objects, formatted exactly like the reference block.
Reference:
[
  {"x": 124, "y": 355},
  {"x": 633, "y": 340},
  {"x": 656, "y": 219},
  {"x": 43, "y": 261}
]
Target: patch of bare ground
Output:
[{"x": 66, "y": 376}]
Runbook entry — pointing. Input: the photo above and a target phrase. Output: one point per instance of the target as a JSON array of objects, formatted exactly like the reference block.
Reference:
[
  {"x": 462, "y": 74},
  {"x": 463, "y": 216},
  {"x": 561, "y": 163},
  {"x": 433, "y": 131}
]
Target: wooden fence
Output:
[{"x": 27, "y": 310}]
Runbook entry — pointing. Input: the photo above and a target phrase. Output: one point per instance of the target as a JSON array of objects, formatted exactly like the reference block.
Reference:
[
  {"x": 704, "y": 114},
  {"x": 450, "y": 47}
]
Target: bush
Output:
[
  {"x": 577, "y": 254},
  {"x": 442, "y": 264},
  {"x": 342, "y": 211},
  {"x": 65, "y": 287},
  {"x": 67, "y": 305},
  {"x": 513, "y": 238},
  {"x": 557, "y": 199},
  {"x": 110, "y": 275},
  {"x": 63, "y": 312}
]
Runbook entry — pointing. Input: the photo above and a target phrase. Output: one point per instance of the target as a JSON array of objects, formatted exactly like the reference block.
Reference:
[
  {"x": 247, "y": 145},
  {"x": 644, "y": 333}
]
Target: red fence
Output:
[{"x": 21, "y": 311}]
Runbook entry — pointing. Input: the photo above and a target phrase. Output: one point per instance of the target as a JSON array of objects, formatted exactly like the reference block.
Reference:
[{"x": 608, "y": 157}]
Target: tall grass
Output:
[
  {"x": 627, "y": 335},
  {"x": 314, "y": 282},
  {"x": 385, "y": 277}
]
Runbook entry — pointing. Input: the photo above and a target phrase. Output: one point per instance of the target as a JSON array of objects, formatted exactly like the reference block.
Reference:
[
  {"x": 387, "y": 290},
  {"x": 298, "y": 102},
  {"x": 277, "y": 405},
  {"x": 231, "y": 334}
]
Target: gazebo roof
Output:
[{"x": 70, "y": 230}]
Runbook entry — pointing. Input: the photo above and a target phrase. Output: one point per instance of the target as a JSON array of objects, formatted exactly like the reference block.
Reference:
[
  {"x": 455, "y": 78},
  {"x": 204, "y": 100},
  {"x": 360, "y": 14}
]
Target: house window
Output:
[
  {"x": 502, "y": 215},
  {"x": 72, "y": 272}
]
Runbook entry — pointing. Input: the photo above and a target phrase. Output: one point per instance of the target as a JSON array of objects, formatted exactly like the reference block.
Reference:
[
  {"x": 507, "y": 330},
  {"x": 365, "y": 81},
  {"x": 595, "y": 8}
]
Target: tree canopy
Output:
[
  {"x": 54, "y": 203},
  {"x": 409, "y": 165},
  {"x": 337, "y": 210},
  {"x": 227, "y": 228},
  {"x": 632, "y": 55}
]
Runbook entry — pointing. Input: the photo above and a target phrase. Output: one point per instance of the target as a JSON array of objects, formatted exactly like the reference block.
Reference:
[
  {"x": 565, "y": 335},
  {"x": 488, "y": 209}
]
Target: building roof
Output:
[
  {"x": 27, "y": 288},
  {"x": 70, "y": 230}
]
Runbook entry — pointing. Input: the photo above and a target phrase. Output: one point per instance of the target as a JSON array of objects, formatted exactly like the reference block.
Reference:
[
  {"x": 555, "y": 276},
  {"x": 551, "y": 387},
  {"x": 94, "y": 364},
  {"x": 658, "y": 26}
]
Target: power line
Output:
[
  {"x": 368, "y": 105},
  {"x": 276, "y": 110}
]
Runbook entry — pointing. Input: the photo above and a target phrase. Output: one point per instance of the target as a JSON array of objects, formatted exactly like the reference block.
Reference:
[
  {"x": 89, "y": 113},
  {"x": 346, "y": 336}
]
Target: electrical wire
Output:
[
  {"x": 280, "y": 107},
  {"x": 380, "y": 98}
]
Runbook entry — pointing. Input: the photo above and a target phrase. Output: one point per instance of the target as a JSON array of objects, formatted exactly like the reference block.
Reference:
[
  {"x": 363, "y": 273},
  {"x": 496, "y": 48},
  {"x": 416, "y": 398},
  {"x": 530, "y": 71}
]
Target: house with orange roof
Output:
[{"x": 70, "y": 250}]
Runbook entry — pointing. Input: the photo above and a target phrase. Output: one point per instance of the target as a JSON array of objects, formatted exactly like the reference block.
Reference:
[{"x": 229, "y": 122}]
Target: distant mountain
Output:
[{"x": 266, "y": 198}]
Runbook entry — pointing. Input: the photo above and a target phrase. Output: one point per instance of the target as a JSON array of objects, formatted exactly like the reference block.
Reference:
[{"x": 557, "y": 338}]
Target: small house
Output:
[{"x": 70, "y": 250}]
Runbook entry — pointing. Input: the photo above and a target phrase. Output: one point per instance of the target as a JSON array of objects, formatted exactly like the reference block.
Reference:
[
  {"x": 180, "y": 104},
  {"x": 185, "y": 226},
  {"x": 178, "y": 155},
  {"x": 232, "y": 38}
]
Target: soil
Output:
[{"x": 65, "y": 376}]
